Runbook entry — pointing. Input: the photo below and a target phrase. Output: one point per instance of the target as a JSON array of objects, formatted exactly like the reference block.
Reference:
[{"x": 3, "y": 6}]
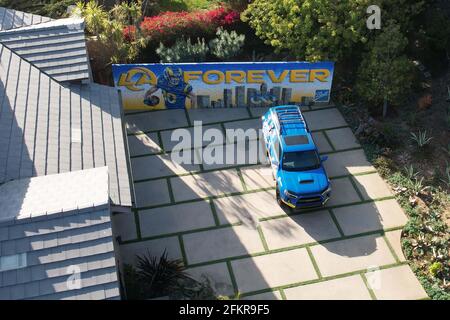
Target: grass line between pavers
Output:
[
  {"x": 224, "y": 195},
  {"x": 223, "y": 122},
  {"x": 336, "y": 222},
  {"x": 329, "y": 140},
  {"x": 196, "y": 172},
  {"x": 313, "y": 210},
  {"x": 160, "y": 143},
  {"x": 200, "y": 157},
  {"x": 263, "y": 238},
  {"x": 282, "y": 294},
  {"x": 169, "y": 187},
  {"x": 188, "y": 119},
  {"x": 379, "y": 232},
  {"x": 224, "y": 144},
  {"x": 394, "y": 254},
  {"x": 323, "y": 279},
  {"x": 230, "y": 225},
  {"x": 240, "y": 193},
  {"x": 182, "y": 233},
  {"x": 369, "y": 289},
  {"x": 232, "y": 278},
  {"x": 310, "y": 108},
  {"x": 183, "y": 250},
  {"x": 214, "y": 213},
  {"x": 241, "y": 177},
  {"x": 314, "y": 262},
  {"x": 138, "y": 225},
  {"x": 355, "y": 186}
]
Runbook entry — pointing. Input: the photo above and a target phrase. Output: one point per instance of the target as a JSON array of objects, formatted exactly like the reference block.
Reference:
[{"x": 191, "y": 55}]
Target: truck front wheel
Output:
[{"x": 277, "y": 193}]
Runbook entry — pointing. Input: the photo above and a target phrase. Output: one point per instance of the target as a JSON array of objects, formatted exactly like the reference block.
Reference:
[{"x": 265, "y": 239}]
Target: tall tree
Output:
[
  {"x": 385, "y": 74},
  {"x": 310, "y": 29}
]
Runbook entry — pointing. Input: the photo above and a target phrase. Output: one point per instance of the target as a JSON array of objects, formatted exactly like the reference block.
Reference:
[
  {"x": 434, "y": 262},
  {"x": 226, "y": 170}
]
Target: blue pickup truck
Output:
[{"x": 301, "y": 180}]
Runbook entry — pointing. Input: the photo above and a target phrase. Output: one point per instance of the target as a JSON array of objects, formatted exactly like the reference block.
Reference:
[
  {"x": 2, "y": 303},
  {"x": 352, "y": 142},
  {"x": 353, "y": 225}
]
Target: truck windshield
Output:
[{"x": 300, "y": 160}]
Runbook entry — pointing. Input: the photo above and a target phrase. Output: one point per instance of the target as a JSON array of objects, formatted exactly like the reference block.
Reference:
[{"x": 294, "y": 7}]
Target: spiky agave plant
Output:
[
  {"x": 421, "y": 138},
  {"x": 159, "y": 275}
]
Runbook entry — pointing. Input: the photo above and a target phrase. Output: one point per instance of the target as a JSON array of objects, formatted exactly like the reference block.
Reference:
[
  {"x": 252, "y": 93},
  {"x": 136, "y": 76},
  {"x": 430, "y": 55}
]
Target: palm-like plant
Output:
[
  {"x": 108, "y": 27},
  {"x": 95, "y": 16},
  {"x": 410, "y": 172},
  {"x": 159, "y": 275}
]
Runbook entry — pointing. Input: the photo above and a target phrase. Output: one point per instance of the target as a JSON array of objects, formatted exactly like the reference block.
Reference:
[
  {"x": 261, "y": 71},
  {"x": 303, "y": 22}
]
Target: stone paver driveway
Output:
[{"x": 224, "y": 223}]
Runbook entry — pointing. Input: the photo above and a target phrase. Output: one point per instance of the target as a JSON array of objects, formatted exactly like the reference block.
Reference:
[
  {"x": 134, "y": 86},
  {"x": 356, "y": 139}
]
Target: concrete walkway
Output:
[{"x": 224, "y": 222}]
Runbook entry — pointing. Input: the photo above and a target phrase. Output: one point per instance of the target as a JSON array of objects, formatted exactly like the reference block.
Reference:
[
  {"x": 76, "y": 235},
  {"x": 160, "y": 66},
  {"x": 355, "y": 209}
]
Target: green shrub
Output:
[
  {"x": 385, "y": 74},
  {"x": 384, "y": 165},
  {"x": 390, "y": 134},
  {"x": 227, "y": 45},
  {"x": 183, "y": 51}
]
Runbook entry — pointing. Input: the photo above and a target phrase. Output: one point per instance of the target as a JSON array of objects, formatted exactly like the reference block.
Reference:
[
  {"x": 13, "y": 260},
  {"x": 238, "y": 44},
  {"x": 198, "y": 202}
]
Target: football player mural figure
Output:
[{"x": 174, "y": 90}]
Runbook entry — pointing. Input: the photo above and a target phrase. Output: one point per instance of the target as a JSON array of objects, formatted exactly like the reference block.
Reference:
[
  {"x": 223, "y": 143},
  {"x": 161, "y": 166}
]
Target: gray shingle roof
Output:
[
  {"x": 45, "y": 195},
  {"x": 55, "y": 246},
  {"x": 57, "y": 47},
  {"x": 72, "y": 235},
  {"x": 41, "y": 122},
  {"x": 10, "y": 19}
]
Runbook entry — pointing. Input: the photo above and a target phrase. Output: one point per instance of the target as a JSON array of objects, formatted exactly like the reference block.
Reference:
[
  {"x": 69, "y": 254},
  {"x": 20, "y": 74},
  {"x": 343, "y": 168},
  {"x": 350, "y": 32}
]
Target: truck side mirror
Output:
[{"x": 323, "y": 158}]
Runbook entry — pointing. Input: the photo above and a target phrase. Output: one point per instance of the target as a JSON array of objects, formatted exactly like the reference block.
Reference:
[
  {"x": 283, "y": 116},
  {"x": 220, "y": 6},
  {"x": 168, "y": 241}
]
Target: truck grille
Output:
[{"x": 310, "y": 199}]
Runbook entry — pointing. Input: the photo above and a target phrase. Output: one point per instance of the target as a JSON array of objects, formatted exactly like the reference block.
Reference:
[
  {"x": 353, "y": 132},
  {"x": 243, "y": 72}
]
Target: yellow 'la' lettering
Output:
[{"x": 145, "y": 76}]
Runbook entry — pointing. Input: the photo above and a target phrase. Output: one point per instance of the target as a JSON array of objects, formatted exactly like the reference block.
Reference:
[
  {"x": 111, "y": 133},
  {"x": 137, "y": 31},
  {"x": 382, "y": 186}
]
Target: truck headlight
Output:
[
  {"x": 289, "y": 194},
  {"x": 326, "y": 192}
]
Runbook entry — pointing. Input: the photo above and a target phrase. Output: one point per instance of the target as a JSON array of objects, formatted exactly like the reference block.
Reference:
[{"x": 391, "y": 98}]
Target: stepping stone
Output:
[
  {"x": 394, "y": 238},
  {"x": 176, "y": 218},
  {"x": 124, "y": 226},
  {"x": 155, "y": 248},
  {"x": 350, "y": 255},
  {"x": 217, "y": 275},
  {"x": 348, "y": 288},
  {"x": 221, "y": 243},
  {"x": 155, "y": 120},
  {"x": 273, "y": 270},
  {"x": 258, "y": 177},
  {"x": 166, "y": 137},
  {"x": 232, "y": 154},
  {"x": 272, "y": 295},
  {"x": 299, "y": 230},
  {"x": 205, "y": 185},
  {"x": 321, "y": 142},
  {"x": 347, "y": 162},
  {"x": 143, "y": 144},
  {"x": 247, "y": 208},
  {"x": 342, "y": 192},
  {"x": 218, "y": 115},
  {"x": 253, "y": 125},
  {"x": 397, "y": 283},
  {"x": 258, "y": 111},
  {"x": 157, "y": 166},
  {"x": 372, "y": 216},
  {"x": 321, "y": 105},
  {"x": 343, "y": 138},
  {"x": 324, "y": 119},
  {"x": 151, "y": 193},
  {"x": 372, "y": 186}
]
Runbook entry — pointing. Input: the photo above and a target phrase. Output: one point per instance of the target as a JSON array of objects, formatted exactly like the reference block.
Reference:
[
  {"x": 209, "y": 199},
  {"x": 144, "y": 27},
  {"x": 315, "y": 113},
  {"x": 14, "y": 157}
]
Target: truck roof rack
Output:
[{"x": 289, "y": 118}]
